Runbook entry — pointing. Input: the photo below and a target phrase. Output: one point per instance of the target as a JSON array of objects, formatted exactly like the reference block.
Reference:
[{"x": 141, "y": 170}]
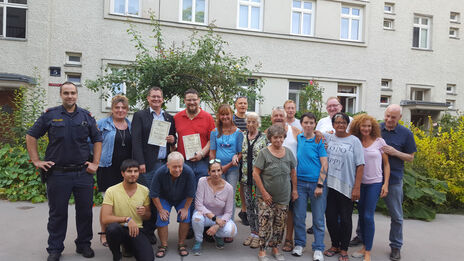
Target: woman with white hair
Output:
[{"x": 253, "y": 143}]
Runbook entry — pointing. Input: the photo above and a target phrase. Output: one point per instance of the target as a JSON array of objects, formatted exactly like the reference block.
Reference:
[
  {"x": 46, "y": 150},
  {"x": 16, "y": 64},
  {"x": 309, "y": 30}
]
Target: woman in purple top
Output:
[
  {"x": 213, "y": 208},
  {"x": 367, "y": 129}
]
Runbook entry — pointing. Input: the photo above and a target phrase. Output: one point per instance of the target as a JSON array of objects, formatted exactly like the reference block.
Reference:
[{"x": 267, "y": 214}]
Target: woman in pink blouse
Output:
[
  {"x": 214, "y": 202},
  {"x": 374, "y": 180}
]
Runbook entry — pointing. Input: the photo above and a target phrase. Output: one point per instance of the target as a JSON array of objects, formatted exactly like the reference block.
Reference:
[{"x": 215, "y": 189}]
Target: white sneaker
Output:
[
  {"x": 318, "y": 256},
  {"x": 297, "y": 251}
]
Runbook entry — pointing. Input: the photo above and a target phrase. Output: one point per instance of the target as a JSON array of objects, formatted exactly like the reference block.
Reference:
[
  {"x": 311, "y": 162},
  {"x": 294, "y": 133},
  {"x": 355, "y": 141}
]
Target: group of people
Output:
[{"x": 333, "y": 163}]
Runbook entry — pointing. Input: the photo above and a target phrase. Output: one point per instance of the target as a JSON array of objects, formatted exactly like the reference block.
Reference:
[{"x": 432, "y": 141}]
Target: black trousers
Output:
[
  {"x": 60, "y": 185},
  {"x": 338, "y": 217},
  {"x": 140, "y": 245}
]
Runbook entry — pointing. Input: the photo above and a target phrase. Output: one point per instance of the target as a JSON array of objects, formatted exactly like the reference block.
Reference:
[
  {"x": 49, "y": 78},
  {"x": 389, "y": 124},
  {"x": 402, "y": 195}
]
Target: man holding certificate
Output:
[
  {"x": 153, "y": 135},
  {"x": 194, "y": 126}
]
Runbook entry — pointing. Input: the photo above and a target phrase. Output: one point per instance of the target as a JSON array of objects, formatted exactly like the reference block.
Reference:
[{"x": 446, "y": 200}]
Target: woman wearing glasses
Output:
[
  {"x": 272, "y": 171},
  {"x": 346, "y": 165},
  {"x": 226, "y": 145},
  {"x": 214, "y": 201}
]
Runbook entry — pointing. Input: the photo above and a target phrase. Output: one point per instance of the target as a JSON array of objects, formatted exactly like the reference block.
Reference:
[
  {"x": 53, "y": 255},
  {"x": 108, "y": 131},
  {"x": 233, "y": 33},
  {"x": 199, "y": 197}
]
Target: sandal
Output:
[
  {"x": 288, "y": 245},
  {"x": 182, "y": 249},
  {"x": 331, "y": 251},
  {"x": 343, "y": 258},
  {"x": 254, "y": 242},
  {"x": 161, "y": 251},
  {"x": 103, "y": 242},
  {"x": 247, "y": 241}
]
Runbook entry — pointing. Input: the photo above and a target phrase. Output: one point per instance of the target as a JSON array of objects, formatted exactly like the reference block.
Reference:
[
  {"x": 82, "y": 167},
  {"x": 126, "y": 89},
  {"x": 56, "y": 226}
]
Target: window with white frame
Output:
[
  {"x": 386, "y": 83},
  {"x": 250, "y": 14},
  {"x": 73, "y": 58},
  {"x": 451, "y": 88},
  {"x": 74, "y": 78},
  {"x": 294, "y": 89},
  {"x": 351, "y": 23},
  {"x": 450, "y": 104},
  {"x": 13, "y": 18},
  {"x": 194, "y": 11},
  {"x": 454, "y": 17},
  {"x": 388, "y": 24},
  {"x": 385, "y": 100},
  {"x": 389, "y": 8},
  {"x": 453, "y": 32},
  {"x": 253, "y": 105},
  {"x": 302, "y": 17},
  {"x": 421, "y": 32},
  {"x": 125, "y": 7},
  {"x": 418, "y": 94},
  {"x": 348, "y": 96}
]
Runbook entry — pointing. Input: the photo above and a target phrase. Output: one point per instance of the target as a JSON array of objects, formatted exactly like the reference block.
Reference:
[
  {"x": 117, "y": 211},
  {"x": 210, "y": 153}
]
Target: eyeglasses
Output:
[
  {"x": 340, "y": 122},
  {"x": 214, "y": 161},
  {"x": 333, "y": 106}
]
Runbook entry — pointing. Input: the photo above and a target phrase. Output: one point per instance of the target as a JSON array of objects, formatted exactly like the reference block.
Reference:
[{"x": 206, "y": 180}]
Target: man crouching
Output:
[{"x": 124, "y": 207}]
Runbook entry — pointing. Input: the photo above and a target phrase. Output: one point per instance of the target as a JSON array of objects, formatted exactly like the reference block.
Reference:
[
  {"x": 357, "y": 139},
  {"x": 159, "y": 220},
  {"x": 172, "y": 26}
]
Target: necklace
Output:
[{"x": 122, "y": 133}]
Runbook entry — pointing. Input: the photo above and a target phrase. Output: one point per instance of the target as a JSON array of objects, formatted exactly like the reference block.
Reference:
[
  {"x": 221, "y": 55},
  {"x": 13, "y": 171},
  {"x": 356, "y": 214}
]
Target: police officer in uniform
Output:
[{"x": 67, "y": 169}]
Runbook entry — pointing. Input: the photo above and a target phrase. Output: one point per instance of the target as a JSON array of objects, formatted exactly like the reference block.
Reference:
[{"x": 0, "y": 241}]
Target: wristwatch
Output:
[
  {"x": 214, "y": 218},
  {"x": 320, "y": 185}
]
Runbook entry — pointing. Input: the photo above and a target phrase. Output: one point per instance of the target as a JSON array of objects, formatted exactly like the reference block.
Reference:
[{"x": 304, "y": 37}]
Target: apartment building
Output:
[{"x": 368, "y": 53}]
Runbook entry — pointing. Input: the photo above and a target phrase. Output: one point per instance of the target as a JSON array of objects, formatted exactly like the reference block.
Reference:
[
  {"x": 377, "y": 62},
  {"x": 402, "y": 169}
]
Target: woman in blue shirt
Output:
[
  {"x": 116, "y": 147},
  {"x": 226, "y": 145}
]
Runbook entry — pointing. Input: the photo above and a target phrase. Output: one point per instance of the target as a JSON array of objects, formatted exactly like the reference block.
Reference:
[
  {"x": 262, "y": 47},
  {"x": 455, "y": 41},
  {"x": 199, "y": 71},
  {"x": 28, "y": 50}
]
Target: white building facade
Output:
[{"x": 367, "y": 53}]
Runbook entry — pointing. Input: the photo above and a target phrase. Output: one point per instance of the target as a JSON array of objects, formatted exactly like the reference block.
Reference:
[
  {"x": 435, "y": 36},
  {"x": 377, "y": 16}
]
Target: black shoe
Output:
[
  {"x": 54, "y": 257},
  {"x": 207, "y": 237},
  {"x": 85, "y": 251},
  {"x": 310, "y": 230},
  {"x": 126, "y": 251},
  {"x": 356, "y": 241},
  {"x": 243, "y": 217},
  {"x": 190, "y": 233},
  {"x": 395, "y": 254}
]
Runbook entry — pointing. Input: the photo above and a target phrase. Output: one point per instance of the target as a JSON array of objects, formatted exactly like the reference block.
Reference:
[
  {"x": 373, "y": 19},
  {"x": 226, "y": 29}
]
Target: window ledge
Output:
[
  {"x": 455, "y": 22},
  {"x": 452, "y": 94},
  {"x": 72, "y": 65},
  {"x": 13, "y": 39},
  {"x": 389, "y": 29},
  {"x": 388, "y": 13},
  {"x": 421, "y": 49},
  {"x": 386, "y": 90},
  {"x": 454, "y": 38},
  {"x": 384, "y": 104}
]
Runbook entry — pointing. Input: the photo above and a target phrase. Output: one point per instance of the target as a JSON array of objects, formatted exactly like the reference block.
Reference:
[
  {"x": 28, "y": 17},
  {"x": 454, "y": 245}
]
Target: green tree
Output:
[
  {"x": 203, "y": 64},
  {"x": 311, "y": 99}
]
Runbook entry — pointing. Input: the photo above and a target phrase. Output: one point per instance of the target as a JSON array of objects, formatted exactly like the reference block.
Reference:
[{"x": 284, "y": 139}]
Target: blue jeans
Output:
[
  {"x": 231, "y": 176},
  {"x": 368, "y": 201},
  {"x": 318, "y": 205},
  {"x": 200, "y": 168},
  {"x": 394, "y": 201},
  {"x": 168, "y": 206}
]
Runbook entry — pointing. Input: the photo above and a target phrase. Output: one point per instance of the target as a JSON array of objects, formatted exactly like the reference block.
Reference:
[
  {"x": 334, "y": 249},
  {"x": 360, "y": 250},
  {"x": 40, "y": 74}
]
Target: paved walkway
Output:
[{"x": 23, "y": 236}]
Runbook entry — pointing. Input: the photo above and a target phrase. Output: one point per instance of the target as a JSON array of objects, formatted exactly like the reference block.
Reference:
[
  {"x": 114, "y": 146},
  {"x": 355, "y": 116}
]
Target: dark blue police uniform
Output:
[{"x": 68, "y": 148}]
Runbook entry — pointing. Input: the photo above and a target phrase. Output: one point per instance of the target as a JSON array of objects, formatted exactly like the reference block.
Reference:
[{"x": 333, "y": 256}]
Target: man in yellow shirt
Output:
[{"x": 124, "y": 207}]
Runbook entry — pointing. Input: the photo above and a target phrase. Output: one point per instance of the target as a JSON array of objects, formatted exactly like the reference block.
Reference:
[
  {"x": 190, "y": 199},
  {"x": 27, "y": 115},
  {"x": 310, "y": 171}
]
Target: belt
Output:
[{"x": 71, "y": 167}]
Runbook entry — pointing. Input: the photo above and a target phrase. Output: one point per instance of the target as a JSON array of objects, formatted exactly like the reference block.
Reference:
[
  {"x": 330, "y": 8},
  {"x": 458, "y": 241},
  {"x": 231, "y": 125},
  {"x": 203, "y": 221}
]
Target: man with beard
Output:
[{"x": 124, "y": 207}]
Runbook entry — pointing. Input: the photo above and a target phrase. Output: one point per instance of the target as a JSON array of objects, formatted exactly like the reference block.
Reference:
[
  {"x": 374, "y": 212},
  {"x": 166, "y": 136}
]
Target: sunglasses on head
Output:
[{"x": 214, "y": 161}]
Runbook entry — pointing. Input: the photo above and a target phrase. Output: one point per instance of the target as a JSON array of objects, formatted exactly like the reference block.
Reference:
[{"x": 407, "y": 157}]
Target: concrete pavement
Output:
[{"x": 23, "y": 236}]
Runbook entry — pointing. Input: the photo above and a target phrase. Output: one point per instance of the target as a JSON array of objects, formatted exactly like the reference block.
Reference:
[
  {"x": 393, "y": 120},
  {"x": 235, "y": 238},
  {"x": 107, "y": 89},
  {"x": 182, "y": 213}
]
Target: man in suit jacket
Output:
[{"x": 151, "y": 157}]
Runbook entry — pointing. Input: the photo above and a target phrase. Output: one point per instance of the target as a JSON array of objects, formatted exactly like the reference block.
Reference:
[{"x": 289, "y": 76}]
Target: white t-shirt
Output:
[
  {"x": 296, "y": 123},
  {"x": 324, "y": 125}
]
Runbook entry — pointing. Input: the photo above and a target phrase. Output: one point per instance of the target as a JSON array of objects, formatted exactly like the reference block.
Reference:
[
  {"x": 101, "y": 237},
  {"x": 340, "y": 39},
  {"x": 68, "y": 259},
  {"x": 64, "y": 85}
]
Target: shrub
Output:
[{"x": 441, "y": 156}]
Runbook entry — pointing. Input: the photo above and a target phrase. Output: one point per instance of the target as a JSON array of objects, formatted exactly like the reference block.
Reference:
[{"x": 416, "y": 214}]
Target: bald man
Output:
[{"x": 400, "y": 148}]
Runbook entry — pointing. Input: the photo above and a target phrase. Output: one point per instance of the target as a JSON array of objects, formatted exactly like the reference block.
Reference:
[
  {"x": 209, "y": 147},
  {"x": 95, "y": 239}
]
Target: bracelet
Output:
[{"x": 128, "y": 219}]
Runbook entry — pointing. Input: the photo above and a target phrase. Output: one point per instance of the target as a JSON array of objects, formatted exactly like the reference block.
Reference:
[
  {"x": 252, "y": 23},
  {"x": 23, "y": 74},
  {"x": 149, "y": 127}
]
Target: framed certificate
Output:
[
  {"x": 158, "y": 133},
  {"x": 192, "y": 144}
]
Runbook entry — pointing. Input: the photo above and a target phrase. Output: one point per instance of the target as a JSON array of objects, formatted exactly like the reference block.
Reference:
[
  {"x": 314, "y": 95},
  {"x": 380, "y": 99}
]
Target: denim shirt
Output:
[{"x": 108, "y": 130}]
